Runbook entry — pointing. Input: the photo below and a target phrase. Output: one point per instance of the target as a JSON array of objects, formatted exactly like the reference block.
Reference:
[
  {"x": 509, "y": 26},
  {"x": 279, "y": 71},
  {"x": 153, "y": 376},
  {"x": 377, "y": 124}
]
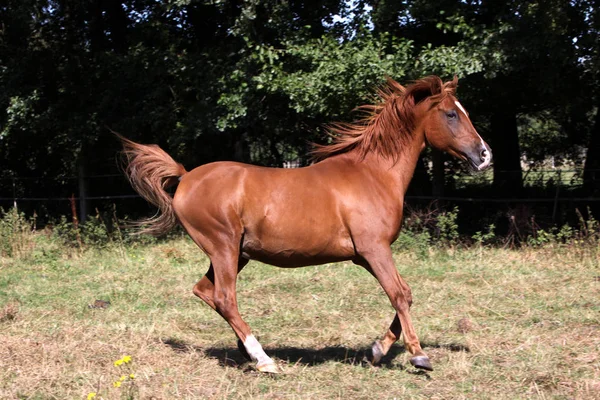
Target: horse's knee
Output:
[
  {"x": 403, "y": 301},
  {"x": 406, "y": 294},
  {"x": 409, "y": 298},
  {"x": 402, "y": 306}
]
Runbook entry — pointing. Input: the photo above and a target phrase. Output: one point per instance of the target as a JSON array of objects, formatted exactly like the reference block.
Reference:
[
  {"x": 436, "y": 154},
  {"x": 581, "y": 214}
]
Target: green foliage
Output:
[
  {"x": 256, "y": 80},
  {"x": 541, "y": 135},
  {"x": 425, "y": 229},
  {"x": 418, "y": 242},
  {"x": 20, "y": 113},
  {"x": 327, "y": 77},
  {"x": 566, "y": 233},
  {"x": 92, "y": 232},
  {"x": 96, "y": 232},
  {"x": 586, "y": 234},
  {"x": 482, "y": 238},
  {"x": 542, "y": 237},
  {"x": 447, "y": 227}
]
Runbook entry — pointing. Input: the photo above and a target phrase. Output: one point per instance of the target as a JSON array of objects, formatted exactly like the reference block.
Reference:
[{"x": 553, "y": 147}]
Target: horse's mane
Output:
[{"x": 388, "y": 124}]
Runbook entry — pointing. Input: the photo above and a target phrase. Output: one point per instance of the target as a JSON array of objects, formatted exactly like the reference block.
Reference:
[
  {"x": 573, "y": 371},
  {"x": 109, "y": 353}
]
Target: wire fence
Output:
[{"x": 66, "y": 188}]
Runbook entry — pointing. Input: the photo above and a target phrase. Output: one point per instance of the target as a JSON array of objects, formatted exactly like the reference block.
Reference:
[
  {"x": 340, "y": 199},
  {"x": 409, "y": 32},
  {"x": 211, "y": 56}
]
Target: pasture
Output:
[{"x": 497, "y": 324}]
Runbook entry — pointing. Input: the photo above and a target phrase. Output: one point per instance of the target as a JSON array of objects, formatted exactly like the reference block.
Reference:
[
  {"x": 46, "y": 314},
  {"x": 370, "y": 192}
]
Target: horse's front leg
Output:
[{"x": 379, "y": 262}]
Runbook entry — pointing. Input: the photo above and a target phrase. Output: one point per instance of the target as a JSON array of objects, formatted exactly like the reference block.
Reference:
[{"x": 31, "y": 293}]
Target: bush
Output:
[
  {"x": 15, "y": 233},
  {"x": 482, "y": 238},
  {"x": 587, "y": 233},
  {"x": 96, "y": 232},
  {"x": 447, "y": 228},
  {"x": 425, "y": 228}
]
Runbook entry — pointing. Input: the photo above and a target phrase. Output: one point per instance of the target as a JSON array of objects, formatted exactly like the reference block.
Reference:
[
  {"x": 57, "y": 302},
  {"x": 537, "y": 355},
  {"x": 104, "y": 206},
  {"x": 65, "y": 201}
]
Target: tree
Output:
[
  {"x": 257, "y": 80},
  {"x": 529, "y": 65},
  {"x": 589, "y": 53}
]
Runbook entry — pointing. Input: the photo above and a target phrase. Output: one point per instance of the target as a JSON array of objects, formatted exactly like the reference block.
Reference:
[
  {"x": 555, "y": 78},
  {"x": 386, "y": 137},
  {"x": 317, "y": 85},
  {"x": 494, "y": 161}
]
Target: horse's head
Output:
[{"x": 447, "y": 125}]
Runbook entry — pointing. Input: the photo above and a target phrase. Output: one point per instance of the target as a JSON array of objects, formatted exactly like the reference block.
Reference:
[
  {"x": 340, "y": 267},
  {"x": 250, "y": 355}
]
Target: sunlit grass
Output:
[{"x": 496, "y": 323}]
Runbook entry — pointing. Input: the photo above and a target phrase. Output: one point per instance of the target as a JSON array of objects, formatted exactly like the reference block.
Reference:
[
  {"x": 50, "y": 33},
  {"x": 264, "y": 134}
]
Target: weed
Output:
[
  {"x": 425, "y": 228},
  {"x": 484, "y": 238},
  {"x": 541, "y": 237},
  {"x": 125, "y": 383},
  {"x": 97, "y": 233},
  {"x": 589, "y": 228},
  {"x": 93, "y": 232},
  {"x": 447, "y": 228},
  {"x": 587, "y": 233},
  {"x": 15, "y": 233}
]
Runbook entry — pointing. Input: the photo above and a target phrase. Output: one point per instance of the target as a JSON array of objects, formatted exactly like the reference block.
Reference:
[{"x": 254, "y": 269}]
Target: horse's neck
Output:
[
  {"x": 411, "y": 157},
  {"x": 400, "y": 171}
]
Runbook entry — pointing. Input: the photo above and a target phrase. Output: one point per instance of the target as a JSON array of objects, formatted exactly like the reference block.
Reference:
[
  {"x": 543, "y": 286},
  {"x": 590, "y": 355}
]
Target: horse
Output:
[{"x": 345, "y": 206}]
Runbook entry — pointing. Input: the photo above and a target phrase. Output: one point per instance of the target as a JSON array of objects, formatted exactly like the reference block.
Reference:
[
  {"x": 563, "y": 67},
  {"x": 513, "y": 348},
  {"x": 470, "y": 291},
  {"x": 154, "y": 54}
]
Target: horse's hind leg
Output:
[
  {"x": 204, "y": 289},
  {"x": 381, "y": 265},
  {"x": 225, "y": 301},
  {"x": 218, "y": 289}
]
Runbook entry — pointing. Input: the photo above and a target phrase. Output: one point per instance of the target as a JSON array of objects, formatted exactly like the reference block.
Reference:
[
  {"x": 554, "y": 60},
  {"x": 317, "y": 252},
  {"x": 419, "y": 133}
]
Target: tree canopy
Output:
[{"x": 255, "y": 81}]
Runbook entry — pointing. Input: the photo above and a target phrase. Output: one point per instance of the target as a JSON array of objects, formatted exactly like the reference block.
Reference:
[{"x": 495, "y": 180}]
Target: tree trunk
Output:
[
  {"x": 507, "y": 155},
  {"x": 591, "y": 168}
]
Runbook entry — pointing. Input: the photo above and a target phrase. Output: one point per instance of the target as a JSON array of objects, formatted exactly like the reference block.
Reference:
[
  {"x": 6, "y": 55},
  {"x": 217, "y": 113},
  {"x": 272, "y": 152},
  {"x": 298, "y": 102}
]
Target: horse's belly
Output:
[{"x": 297, "y": 251}]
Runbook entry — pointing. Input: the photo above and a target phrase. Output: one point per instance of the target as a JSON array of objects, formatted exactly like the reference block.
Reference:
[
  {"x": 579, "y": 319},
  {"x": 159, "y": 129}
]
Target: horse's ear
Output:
[
  {"x": 424, "y": 88},
  {"x": 420, "y": 94},
  {"x": 452, "y": 85}
]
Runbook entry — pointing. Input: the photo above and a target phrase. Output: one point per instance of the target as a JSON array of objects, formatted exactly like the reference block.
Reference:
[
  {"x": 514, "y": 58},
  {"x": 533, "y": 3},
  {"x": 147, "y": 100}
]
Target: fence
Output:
[{"x": 17, "y": 191}]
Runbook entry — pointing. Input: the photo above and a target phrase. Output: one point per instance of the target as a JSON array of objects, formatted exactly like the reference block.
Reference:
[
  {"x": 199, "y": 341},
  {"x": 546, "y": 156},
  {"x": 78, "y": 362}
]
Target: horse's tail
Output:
[{"x": 151, "y": 171}]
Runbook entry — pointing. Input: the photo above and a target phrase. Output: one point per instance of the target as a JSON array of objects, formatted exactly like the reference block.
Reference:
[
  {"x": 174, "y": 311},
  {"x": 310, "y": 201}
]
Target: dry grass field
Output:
[{"x": 497, "y": 324}]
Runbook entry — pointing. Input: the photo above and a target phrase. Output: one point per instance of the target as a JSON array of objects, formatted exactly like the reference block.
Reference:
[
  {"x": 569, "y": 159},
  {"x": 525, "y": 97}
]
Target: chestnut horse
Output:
[{"x": 347, "y": 206}]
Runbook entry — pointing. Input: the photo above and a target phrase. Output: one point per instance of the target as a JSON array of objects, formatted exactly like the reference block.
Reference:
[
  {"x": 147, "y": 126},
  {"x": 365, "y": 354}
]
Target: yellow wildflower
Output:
[
  {"x": 131, "y": 376},
  {"x": 91, "y": 395},
  {"x": 126, "y": 359},
  {"x": 118, "y": 362},
  {"x": 117, "y": 384},
  {"x": 122, "y": 378}
]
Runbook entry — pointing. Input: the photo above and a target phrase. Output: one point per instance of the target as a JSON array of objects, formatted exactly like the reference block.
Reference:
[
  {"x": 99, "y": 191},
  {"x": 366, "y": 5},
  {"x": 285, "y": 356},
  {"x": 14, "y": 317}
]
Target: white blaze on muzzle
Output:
[
  {"x": 486, "y": 153},
  {"x": 487, "y": 156}
]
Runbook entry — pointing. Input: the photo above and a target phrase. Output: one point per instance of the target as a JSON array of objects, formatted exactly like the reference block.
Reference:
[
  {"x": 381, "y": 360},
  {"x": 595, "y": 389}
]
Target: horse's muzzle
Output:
[{"x": 480, "y": 158}]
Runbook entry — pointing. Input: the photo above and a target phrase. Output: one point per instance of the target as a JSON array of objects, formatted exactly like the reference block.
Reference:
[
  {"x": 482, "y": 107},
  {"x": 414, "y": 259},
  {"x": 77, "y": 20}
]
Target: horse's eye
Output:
[{"x": 451, "y": 114}]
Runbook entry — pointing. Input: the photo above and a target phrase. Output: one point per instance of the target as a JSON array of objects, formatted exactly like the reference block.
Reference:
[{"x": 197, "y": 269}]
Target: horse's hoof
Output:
[
  {"x": 243, "y": 350},
  {"x": 421, "y": 362},
  {"x": 376, "y": 353},
  {"x": 270, "y": 368}
]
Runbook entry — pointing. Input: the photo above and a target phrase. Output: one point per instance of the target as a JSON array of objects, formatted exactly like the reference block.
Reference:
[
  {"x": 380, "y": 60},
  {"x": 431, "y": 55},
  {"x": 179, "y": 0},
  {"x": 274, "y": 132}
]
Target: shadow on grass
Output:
[{"x": 232, "y": 357}]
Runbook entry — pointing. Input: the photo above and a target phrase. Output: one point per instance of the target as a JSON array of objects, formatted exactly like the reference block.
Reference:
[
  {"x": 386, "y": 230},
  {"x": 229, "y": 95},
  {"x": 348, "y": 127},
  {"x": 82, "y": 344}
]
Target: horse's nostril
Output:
[{"x": 484, "y": 154}]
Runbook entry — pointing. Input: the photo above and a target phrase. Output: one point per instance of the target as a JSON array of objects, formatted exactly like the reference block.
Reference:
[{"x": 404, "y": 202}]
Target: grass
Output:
[{"x": 497, "y": 324}]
